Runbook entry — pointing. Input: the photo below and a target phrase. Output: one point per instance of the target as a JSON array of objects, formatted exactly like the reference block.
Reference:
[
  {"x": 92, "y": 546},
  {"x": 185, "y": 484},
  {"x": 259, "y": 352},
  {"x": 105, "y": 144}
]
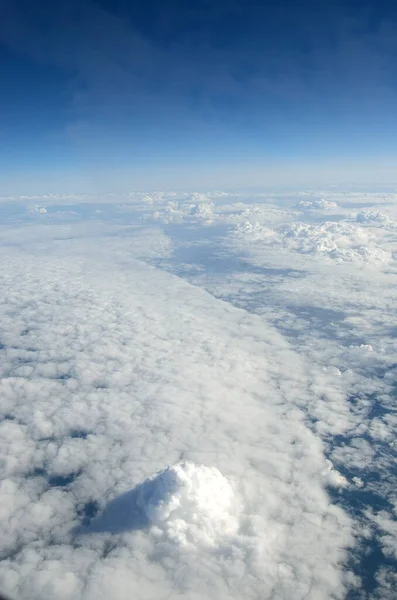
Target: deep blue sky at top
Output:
[{"x": 126, "y": 84}]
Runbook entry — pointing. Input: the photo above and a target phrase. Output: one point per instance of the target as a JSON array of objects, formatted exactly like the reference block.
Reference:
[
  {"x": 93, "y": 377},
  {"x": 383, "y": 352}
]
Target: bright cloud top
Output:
[
  {"x": 343, "y": 242},
  {"x": 192, "y": 503}
]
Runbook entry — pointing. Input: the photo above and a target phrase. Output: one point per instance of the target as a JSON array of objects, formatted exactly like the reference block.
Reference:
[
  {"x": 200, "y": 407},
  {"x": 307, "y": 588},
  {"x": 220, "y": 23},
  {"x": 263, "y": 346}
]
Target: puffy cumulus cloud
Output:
[
  {"x": 387, "y": 525},
  {"x": 266, "y": 213},
  {"x": 331, "y": 315},
  {"x": 180, "y": 212},
  {"x": 385, "y": 531},
  {"x": 191, "y": 504},
  {"x": 383, "y": 428},
  {"x": 346, "y": 197},
  {"x": 376, "y": 219},
  {"x": 386, "y": 579},
  {"x": 339, "y": 241},
  {"x": 319, "y": 204},
  {"x": 371, "y": 216},
  {"x": 198, "y": 197},
  {"x": 333, "y": 477},
  {"x": 113, "y": 370}
]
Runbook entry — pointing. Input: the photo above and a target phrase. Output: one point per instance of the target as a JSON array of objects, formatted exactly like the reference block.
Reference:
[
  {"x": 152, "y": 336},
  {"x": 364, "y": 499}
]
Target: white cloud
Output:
[
  {"x": 113, "y": 370},
  {"x": 191, "y": 504},
  {"x": 179, "y": 212},
  {"x": 333, "y": 478},
  {"x": 388, "y": 526},
  {"x": 342, "y": 242},
  {"x": 371, "y": 216},
  {"x": 319, "y": 204},
  {"x": 128, "y": 370}
]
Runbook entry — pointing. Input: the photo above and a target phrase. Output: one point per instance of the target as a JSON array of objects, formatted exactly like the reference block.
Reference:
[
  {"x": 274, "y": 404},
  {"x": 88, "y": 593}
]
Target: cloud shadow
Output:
[{"x": 120, "y": 515}]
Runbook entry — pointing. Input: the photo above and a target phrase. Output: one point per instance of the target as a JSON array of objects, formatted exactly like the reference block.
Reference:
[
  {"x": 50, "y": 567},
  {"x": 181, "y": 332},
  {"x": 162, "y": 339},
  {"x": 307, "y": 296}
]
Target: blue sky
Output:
[{"x": 194, "y": 94}]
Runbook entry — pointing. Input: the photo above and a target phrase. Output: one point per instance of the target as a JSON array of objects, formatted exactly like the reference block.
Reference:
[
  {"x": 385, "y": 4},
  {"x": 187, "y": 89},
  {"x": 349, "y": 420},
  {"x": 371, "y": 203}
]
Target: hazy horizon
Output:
[{"x": 103, "y": 93}]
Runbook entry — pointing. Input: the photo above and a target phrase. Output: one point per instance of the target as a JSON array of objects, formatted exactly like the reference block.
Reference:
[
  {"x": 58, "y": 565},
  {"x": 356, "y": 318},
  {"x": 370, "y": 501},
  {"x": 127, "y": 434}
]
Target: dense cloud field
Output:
[{"x": 198, "y": 396}]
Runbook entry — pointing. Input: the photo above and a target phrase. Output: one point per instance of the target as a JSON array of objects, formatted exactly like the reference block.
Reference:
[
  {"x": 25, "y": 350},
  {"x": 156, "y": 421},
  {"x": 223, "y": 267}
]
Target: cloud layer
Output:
[
  {"x": 110, "y": 374},
  {"x": 191, "y": 409}
]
